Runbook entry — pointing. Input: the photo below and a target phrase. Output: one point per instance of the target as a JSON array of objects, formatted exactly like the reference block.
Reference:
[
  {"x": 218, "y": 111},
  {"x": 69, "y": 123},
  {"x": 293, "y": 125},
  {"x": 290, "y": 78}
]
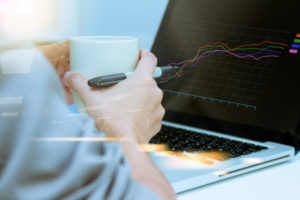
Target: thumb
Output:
[
  {"x": 55, "y": 50},
  {"x": 76, "y": 82},
  {"x": 147, "y": 63}
]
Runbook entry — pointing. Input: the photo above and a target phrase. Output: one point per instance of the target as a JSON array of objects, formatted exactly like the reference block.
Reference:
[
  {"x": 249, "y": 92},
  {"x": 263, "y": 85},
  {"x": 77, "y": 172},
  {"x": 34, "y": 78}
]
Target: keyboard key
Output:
[{"x": 188, "y": 141}]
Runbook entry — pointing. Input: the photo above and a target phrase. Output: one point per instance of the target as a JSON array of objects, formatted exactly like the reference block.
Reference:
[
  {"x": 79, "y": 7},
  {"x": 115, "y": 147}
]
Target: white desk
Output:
[{"x": 278, "y": 182}]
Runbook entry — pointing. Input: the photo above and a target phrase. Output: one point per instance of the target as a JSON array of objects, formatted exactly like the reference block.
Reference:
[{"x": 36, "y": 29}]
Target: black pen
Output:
[{"x": 109, "y": 80}]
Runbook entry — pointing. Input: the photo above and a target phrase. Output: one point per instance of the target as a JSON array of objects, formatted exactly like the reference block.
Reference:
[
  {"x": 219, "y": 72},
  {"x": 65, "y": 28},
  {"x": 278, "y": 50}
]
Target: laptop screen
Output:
[{"x": 239, "y": 62}]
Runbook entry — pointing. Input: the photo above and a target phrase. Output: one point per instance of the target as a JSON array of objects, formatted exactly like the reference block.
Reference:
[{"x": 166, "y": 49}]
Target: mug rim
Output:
[{"x": 104, "y": 38}]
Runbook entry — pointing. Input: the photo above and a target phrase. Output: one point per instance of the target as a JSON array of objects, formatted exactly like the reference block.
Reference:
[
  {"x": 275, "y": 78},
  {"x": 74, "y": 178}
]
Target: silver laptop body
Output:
[{"x": 185, "y": 174}]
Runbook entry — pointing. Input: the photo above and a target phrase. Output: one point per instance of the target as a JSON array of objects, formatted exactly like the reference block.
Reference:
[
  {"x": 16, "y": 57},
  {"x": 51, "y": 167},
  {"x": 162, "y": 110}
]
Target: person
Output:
[{"x": 33, "y": 108}]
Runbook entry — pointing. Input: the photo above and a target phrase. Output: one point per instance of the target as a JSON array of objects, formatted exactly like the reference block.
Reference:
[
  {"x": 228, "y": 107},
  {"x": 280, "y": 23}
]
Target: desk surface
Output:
[{"x": 275, "y": 183}]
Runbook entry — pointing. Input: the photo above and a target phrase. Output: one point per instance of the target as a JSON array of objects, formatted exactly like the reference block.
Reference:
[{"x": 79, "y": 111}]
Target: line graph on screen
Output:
[
  {"x": 209, "y": 50},
  {"x": 235, "y": 70}
]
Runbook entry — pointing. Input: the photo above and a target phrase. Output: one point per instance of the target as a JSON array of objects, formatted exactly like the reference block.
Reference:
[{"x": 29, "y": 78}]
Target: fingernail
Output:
[{"x": 66, "y": 78}]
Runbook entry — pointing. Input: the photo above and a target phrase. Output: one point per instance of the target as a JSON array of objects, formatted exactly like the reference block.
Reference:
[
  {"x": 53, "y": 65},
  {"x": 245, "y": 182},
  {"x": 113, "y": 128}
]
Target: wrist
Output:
[{"x": 145, "y": 171}]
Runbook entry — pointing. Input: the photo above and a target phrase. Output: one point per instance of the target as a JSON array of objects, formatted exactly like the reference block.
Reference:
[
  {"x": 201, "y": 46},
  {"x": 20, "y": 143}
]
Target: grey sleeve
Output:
[{"x": 32, "y": 106}]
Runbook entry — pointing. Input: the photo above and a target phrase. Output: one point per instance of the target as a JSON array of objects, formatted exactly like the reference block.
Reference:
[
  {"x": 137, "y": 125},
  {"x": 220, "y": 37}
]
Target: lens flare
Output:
[
  {"x": 30, "y": 18},
  {"x": 207, "y": 158},
  {"x": 180, "y": 159}
]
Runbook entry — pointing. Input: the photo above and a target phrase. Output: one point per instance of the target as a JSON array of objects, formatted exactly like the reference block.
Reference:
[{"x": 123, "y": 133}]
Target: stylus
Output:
[{"x": 109, "y": 80}]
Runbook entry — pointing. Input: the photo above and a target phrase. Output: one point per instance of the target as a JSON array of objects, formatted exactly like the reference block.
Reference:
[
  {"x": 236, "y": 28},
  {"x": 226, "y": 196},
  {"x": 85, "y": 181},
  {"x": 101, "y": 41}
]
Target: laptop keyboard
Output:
[{"x": 187, "y": 141}]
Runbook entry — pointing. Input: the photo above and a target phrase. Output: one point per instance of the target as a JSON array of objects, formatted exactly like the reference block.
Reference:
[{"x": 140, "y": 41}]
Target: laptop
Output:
[{"x": 234, "y": 98}]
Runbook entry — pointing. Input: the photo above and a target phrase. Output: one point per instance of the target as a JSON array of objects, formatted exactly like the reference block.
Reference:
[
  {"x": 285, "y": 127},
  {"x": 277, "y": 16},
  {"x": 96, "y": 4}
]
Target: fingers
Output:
[
  {"x": 68, "y": 92},
  {"x": 159, "y": 95},
  {"x": 62, "y": 48},
  {"x": 159, "y": 114},
  {"x": 156, "y": 129},
  {"x": 53, "y": 51},
  {"x": 76, "y": 82},
  {"x": 147, "y": 64},
  {"x": 156, "y": 123},
  {"x": 63, "y": 66}
]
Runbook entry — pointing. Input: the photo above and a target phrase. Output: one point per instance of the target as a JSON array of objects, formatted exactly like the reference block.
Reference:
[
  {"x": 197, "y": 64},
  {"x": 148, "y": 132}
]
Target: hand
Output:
[
  {"x": 59, "y": 56},
  {"x": 131, "y": 109}
]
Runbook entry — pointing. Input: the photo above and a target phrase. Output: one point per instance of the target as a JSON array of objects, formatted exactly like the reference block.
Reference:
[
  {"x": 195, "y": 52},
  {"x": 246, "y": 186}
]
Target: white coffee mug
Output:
[{"x": 94, "y": 56}]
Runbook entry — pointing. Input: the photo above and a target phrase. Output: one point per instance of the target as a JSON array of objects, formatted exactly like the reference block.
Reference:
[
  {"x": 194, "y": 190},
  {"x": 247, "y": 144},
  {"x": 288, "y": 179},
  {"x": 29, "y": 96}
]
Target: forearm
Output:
[{"x": 145, "y": 172}]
